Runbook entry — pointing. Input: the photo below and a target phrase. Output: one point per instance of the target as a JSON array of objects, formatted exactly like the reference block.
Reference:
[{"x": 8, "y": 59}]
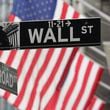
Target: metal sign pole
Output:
[{"x": 107, "y": 52}]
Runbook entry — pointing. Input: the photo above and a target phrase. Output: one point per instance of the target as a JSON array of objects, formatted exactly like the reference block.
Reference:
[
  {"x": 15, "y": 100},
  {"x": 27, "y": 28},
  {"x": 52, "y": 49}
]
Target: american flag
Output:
[{"x": 51, "y": 79}]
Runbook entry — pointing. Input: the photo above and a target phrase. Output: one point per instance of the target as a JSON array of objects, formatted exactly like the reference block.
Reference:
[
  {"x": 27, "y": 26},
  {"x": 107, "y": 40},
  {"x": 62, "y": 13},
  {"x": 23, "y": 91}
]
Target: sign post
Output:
[{"x": 107, "y": 52}]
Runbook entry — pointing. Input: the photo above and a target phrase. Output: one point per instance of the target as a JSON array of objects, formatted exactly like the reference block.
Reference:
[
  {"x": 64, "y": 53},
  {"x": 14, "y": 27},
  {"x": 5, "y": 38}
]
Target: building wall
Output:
[{"x": 5, "y": 8}]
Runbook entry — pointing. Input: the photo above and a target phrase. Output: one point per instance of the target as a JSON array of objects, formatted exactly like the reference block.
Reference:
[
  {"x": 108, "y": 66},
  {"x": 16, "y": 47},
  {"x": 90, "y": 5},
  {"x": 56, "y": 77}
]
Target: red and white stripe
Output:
[
  {"x": 79, "y": 87},
  {"x": 96, "y": 104},
  {"x": 42, "y": 74},
  {"x": 64, "y": 11}
]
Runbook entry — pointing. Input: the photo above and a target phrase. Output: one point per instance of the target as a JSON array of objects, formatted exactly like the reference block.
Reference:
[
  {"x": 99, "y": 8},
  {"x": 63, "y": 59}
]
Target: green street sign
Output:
[{"x": 8, "y": 78}]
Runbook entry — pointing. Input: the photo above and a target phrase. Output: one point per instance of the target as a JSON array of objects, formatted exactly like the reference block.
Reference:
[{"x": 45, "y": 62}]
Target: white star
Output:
[
  {"x": 37, "y": 5},
  {"x": 35, "y": 14},
  {"x": 39, "y": 12},
  {"x": 30, "y": 15},
  {"x": 18, "y": 5},
  {"x": 28, "y": 9},
  {"x": 25, "y": 9},
  {"x": 23, "y": 4},
  {"x": 49, "y": 8},
  {"x": 47, "y": 2},
  {"x": 42, "y": 3},
  {"x": 32, "y": 7},
  {"x": 20, "y": 11},
  {"x": 30, "y": 1},
  {"x": 44, "y": 10},
  {"x": 47, "y": 16},
  {"x": 51, "y": 1},
  {"x": 42, "y": 17},
  {"x": 23, "y": 17},
  {"x": 27, "y": 15}
]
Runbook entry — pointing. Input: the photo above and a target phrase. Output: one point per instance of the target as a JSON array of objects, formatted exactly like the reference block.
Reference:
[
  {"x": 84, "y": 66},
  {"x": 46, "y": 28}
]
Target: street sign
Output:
[
  {"x": 8, "y": 78},
  {"x": 52, "y": 33}
]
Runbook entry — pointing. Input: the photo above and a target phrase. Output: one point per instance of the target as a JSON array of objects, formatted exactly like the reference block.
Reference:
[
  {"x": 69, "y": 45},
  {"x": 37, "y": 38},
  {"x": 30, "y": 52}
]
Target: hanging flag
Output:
[
  {"x": 78, "y": 88},
  {"x": 44, "y": 72}
]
